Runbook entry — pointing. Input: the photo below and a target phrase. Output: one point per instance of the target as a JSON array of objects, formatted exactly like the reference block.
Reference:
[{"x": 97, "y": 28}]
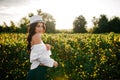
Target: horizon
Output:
[{"x": 64, "y": 12}]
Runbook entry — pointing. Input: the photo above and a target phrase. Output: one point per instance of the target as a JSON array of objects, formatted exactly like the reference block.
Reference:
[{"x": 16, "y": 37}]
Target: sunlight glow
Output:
[{"x": 65, "y": 11}]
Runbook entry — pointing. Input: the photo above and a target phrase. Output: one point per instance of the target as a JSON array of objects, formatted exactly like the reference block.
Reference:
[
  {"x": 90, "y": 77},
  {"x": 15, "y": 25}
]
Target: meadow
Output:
[{"x": 80, "y": 56}]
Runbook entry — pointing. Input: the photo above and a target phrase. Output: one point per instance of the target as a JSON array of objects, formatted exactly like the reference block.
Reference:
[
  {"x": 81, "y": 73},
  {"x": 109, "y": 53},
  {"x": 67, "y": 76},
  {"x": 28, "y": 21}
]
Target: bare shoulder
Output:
[
  {"x": 36, "y": 38},
  {"x": 36, "y": 35}
]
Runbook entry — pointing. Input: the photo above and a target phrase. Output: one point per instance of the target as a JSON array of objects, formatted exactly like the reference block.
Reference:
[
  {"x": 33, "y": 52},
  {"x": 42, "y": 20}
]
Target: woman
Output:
[{"x": 39, "y": 52}]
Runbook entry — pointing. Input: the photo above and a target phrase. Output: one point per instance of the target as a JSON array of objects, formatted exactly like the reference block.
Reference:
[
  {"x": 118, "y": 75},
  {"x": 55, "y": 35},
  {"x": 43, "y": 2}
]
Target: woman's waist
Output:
[{"x": 35, "y": 64}]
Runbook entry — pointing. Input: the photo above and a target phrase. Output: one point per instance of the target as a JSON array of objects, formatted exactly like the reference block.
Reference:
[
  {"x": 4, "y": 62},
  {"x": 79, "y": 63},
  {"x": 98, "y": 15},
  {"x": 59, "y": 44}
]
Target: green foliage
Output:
[
  {"x": 114, "y": 25},
  {"x": 48, "y": 18},
  {"x": 13, "y": 26},
  {"x": 103, "y": 25},
  {"x": 79, "y": 24},
  {"x": 80, "y": 56},
  {"x": 14, "y": 61},
  {"x": 24, "y": 24}
]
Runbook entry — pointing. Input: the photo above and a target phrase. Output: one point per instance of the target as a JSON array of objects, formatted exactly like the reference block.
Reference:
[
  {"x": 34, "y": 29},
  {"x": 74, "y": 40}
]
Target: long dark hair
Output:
[{"x": 31, "y": 32}]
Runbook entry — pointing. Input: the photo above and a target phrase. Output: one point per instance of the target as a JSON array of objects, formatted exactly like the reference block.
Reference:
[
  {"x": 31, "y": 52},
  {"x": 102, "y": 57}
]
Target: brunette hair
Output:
[{"x": 31, "y": 32}]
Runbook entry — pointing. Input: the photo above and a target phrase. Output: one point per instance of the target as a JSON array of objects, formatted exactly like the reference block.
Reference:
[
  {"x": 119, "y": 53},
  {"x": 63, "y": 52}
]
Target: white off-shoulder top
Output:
[{"x": 40, "y": 55}]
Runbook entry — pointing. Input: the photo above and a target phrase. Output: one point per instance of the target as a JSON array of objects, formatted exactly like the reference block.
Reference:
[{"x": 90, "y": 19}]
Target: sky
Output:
[{"x": 64, "y": 11}]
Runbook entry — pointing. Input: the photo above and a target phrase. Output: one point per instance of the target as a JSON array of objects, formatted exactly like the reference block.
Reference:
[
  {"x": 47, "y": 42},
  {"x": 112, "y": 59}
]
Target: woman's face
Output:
[{"x": 39, "y": 28}]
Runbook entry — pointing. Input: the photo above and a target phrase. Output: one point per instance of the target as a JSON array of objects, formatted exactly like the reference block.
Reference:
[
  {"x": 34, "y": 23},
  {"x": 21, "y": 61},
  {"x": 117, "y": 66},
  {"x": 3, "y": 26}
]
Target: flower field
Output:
[{"x": 80, "y": 56}]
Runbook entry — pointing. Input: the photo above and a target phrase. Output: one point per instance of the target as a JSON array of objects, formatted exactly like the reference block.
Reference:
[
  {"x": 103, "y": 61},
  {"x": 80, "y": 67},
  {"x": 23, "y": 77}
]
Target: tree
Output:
[
  {"x": 1, "y": 28},
  {"x": 95, "y": 21},
  {"x": 100, "y": 24},
  {"x": 23, "y": 24},
  {"x": 50, "y": 22},
  {"x": 12, "y": 26},
  {"x": 79, "y": 24},
  {"x": 30, "y": 14},
  {"x": 114, "y": 25},
  {"x": 103, "y": 24},
  {"x": 95, "y": 25},
  {"x": 6, "y": 28}
]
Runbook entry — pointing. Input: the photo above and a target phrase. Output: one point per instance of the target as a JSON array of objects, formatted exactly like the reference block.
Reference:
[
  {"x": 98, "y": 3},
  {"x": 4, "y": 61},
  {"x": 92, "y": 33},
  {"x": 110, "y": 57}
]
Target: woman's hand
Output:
[
  {"x": 55, "y": 64},
  {"x": 48, "y": 46}
]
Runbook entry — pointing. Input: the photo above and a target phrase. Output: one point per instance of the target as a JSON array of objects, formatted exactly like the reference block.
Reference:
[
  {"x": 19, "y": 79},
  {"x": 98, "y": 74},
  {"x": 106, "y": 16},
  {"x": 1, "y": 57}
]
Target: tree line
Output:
[
  {"x": 100, "y": 25},
  {"x": 105, "y": 25},
  {"x": 24, "y": 23}
]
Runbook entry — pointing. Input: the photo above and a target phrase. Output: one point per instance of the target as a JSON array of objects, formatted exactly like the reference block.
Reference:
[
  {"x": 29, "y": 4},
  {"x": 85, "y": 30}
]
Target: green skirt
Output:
[{"x": 38, "y": 73}]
